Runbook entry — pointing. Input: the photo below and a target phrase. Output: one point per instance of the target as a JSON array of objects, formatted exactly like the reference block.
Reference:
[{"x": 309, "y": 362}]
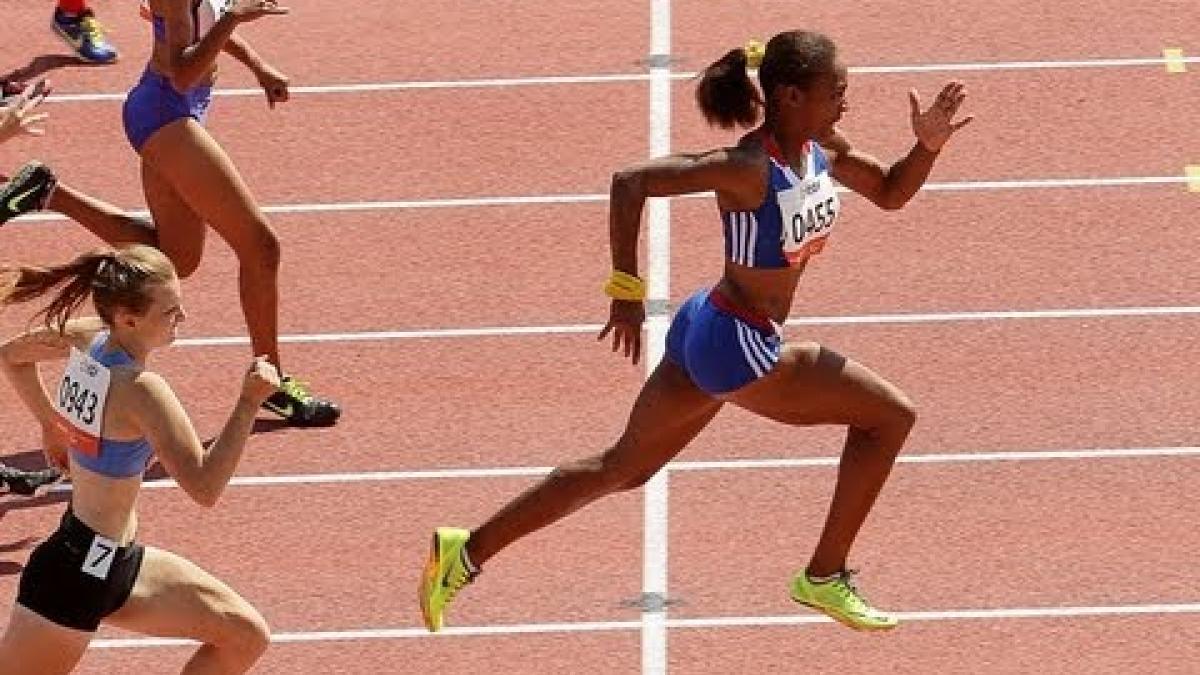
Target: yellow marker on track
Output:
[
  {"x": 1175, "y": 62},
  {"x": 1193, "y": 177}
]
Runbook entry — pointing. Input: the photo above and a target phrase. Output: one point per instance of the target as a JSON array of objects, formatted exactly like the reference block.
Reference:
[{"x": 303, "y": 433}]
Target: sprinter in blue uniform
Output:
[{"x": 779, "y": 209}]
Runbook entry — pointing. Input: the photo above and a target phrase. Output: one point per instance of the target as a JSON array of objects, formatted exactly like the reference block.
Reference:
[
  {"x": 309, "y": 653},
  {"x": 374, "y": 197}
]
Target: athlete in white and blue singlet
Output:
[{"x": 776, "y": 196}]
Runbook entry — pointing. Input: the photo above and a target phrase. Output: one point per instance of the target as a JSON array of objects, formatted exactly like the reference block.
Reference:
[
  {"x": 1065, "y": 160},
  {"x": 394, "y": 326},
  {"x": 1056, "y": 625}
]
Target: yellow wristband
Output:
[{"x": 622, "y": 286}]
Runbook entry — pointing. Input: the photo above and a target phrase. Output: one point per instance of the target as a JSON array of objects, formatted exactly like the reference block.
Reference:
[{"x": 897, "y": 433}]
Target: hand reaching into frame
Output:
[{"x": 17, "y": 114}]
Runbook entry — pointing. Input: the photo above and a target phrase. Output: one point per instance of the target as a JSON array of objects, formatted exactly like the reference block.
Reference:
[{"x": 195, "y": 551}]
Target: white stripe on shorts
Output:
[
  {"x": 752, "y": 357},
  {"x": 772, "y": 356},
  {"x": 760, "y": 348}
]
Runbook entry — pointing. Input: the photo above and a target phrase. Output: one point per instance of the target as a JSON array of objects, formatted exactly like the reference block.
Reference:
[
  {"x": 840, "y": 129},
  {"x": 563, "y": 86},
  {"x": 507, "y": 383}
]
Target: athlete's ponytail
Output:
[
  {"x": 726, "y": 95},
  {"x": 111, "y": 278}
]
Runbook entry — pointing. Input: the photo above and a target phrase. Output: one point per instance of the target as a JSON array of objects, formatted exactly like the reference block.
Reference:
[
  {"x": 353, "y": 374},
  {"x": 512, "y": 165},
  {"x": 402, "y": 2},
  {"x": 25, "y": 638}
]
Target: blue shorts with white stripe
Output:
[{"x": 721, "y": 349}]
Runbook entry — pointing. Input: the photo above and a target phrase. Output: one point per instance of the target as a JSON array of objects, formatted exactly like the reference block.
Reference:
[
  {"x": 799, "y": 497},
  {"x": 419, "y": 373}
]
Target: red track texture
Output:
[{"x": 958, "y": 534}]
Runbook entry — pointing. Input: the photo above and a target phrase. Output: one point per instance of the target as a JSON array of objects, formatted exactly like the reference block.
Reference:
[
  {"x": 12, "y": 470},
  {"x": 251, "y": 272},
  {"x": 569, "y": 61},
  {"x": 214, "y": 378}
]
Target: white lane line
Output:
[
  {"x": 998, "y": 315},
  {"x": 594, "y": 198},
  {"x": 688, "y": 466},
  {"x": 985, "y": 614},
  {"x": 625, "y": 78},
  {"x": 658, "y": 292},
  {"x": 589, "y": 328}
]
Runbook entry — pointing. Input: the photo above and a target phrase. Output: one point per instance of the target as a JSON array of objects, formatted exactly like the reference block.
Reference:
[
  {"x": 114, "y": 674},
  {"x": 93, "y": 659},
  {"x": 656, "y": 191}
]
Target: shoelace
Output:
[
  {"x": 296, "y": 389},
  {"x": 92, "y": 28},
  {"x": 461, "y": 578},
  {"x": 848, "y": 587}
]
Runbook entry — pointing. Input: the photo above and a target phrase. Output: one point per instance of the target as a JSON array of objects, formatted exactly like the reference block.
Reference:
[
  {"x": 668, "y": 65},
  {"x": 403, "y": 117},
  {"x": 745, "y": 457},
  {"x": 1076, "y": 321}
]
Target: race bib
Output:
[
  {"x": 808, "y": 210},
  {"x": 82, "y": 393}
]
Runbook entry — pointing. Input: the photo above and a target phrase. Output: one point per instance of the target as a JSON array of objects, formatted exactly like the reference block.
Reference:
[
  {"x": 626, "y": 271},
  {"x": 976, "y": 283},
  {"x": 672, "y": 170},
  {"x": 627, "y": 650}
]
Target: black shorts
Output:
[{"x": 76, "y": 577}]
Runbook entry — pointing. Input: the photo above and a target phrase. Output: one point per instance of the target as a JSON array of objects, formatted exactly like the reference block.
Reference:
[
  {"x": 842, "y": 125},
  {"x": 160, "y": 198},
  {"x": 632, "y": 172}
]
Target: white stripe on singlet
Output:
[{"x": 753, "y": 221}]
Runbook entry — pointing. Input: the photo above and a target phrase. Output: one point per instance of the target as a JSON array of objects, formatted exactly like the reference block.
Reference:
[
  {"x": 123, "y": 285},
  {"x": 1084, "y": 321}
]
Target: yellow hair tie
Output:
[
  {"x": 755, "y": 51},
  {"x": 622, "y": 286}
]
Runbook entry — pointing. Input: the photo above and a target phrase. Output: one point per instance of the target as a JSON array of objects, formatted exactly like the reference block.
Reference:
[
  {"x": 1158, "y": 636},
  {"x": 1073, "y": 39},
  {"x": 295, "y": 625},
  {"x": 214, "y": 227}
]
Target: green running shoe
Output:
[
  {"x": 294, "y": 403},
  {"x": 445, "y": 574},
  {"x": 27, "y": 191},
  {"x": 841, "y": 600}
]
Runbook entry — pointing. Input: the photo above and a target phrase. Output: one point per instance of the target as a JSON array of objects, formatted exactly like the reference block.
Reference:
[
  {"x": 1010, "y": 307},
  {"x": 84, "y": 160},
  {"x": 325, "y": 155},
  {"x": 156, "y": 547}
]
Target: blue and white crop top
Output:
[
  {"x": 80, "y": 402},
  {"x": 794, "y": 219},
  {"x": 205, "y": 14}
]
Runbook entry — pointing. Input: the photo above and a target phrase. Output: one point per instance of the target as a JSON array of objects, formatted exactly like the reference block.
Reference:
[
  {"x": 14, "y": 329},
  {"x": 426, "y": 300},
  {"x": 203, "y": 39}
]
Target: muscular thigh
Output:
[
  {"x": 32, "y": 644},
  {"x": 207, "y": 182},
  {"x": 174, "y": 597},
  {"x": 812, "y": 384}
]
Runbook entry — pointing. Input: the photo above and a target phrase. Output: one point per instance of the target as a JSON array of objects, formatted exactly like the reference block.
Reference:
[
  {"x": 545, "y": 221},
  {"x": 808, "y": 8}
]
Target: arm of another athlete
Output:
[
  {"x": 188, "y": 63},
  {"x": 892, "y": 187},
  {"x": 737, "y": 175},
  {"x": 273, "y": 82},
  {"x": 202, "y": 472}
]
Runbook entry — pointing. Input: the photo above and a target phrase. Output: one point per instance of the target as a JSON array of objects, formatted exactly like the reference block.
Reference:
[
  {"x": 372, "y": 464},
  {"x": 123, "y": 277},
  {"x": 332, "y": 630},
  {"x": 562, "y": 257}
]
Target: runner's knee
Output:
[
  {"x": 264, "y": 249},
  {"x": 625, "y": 472},
  {"x": 185, "y": 266},
  {"x": 893, "y": 420},
  {"x": 246, "y": 635}
]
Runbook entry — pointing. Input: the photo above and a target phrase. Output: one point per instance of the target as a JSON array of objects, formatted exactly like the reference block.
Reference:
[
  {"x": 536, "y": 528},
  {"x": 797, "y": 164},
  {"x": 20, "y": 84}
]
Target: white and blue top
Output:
[{"x": 795, "y": 217}]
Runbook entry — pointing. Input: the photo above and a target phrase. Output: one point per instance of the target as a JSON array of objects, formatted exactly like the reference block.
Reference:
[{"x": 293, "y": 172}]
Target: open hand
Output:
[
  {"x": 934, "y": 126},
  {"x": 17, "y": 116},
  {"x": 249, "y": 10}
]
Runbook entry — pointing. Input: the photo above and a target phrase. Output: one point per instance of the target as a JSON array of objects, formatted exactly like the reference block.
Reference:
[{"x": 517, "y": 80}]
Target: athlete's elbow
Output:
[
  {"x": 628, "y": 185},
  {"x": 202, "y": 492},
  {"x": 208, "y": 497},
  {"x": 892, "y": 201}
]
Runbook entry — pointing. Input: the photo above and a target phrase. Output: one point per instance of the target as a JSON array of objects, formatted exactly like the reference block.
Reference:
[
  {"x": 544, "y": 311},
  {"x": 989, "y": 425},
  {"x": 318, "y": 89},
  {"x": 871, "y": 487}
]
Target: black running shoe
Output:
[
  {"x": 10, "y": 88},
  {"x": 27, "y": 482},
  {"x": 294, "y": 403},
  {"x": 27, "y": 191}
]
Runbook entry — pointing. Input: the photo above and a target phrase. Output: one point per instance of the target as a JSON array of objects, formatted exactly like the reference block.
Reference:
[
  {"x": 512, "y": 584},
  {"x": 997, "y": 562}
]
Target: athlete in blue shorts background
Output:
[{"x": 778, "y": 206}]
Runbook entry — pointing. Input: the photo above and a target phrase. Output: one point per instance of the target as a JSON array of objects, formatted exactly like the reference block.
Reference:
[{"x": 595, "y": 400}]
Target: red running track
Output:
[{"x": 963, "y": 533}]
